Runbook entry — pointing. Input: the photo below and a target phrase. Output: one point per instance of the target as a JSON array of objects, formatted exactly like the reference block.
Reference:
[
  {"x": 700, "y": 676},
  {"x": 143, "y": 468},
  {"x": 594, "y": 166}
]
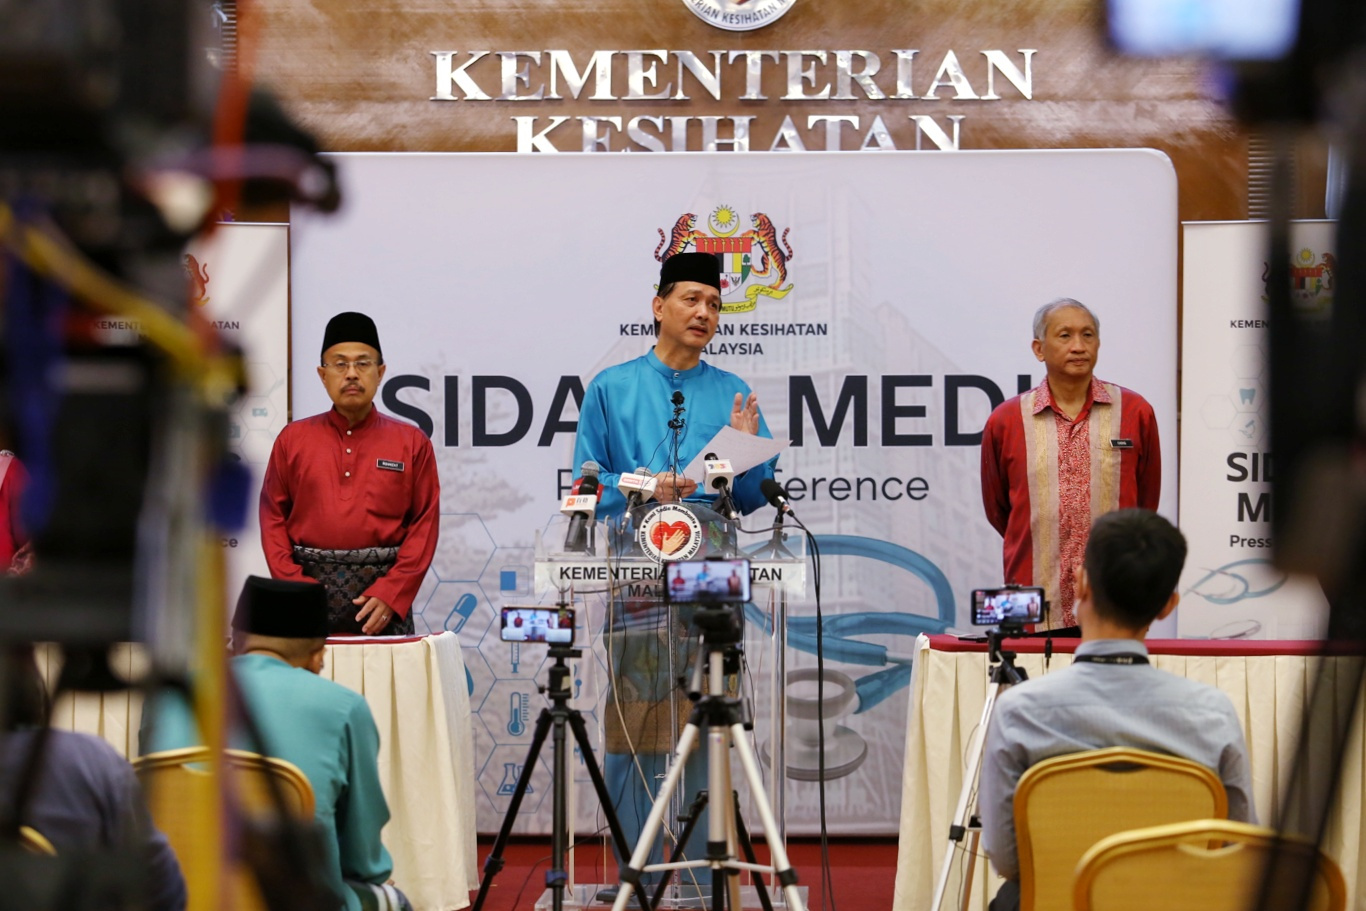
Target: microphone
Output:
[
  {"x": 677, "y": 423},
  {"x": 637, "y": 486},
  {"x": 719, "y": 475},
  {"x": 776, "y": 496},
  {"x": 581, "y": 507}
]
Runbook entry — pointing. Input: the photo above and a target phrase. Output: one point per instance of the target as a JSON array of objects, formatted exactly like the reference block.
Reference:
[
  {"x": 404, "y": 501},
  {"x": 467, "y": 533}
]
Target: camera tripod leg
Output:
[
  {"x": 599, "y": 784},
  {"x": 494, "y": 863},
  {"x": 782, "y": 867},
  {"x": 630, "y": 873},
  {"x": 747, "y": 845},
  {"x": 966, "y": 810},
  {"x": 725, "y": 882},
  {"x": 689, "y": 818}
]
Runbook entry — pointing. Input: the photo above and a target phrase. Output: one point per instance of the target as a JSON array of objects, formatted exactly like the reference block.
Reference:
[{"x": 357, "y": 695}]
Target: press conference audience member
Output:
[
  {"x": 1111, "y": 695},
  {"x": 1072, "y": 448},
  {"x": 279, "y": 634},
  {"x": 351, "y": 496},
  {"x": 86, "y": 799}
]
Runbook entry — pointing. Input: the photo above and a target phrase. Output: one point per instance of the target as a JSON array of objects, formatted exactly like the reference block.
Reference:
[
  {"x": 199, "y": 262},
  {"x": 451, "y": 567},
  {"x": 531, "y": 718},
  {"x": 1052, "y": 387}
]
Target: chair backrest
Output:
[
  {"x": 1205, "y": 865},
  {"x": 1066, "y": 804},
  {"x": 179, "y": 788}
]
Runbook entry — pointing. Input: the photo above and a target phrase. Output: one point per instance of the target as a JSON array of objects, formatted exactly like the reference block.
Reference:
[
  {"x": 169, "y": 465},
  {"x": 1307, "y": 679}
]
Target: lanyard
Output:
[{"x": 1125, "y": 658}]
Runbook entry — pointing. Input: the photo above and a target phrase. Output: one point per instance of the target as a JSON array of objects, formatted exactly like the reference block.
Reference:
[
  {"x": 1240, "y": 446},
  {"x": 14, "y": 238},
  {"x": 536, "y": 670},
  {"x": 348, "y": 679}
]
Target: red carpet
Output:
[{"x": 863, "y": 871}]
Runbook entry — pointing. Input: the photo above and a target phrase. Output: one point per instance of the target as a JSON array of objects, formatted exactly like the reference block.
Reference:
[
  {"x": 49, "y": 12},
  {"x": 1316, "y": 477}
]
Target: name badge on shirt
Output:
[
  {"x": 389, "y": 464},
  {"x": 1121, "y": 444}
]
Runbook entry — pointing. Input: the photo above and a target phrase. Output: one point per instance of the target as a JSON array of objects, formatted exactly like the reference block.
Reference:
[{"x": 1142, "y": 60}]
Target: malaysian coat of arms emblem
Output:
[{"x": 753, "y": 262}]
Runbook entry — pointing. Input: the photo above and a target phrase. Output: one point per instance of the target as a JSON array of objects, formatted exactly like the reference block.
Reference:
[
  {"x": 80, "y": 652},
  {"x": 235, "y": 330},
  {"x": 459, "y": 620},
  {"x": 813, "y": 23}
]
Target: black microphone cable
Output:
[{"x": 777, "y": 496}]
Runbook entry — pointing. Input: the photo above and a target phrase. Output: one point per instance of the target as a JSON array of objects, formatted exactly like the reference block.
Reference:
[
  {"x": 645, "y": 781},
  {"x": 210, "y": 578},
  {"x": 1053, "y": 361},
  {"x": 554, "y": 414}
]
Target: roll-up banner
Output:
[{"x": 1230, "y": 589}]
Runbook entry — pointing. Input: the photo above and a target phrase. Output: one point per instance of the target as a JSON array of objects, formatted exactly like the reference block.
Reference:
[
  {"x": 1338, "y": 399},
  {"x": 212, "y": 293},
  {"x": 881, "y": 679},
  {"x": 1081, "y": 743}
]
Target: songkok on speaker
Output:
[{"x": 702, "y": 268}]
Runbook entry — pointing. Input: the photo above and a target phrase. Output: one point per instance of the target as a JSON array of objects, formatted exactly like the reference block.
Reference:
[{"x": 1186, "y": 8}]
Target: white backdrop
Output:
[
  {"x": 490, "y": 272},
  {"x": 1229, "y": 588}
]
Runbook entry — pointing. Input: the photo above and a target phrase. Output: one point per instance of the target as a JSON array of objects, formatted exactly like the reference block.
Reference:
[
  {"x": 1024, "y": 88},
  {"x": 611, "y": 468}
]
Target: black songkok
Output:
[
  {"x": 283, "y": 609},
  {"x": 702, "y": 268},
  {"x": 351, "y": 327}
]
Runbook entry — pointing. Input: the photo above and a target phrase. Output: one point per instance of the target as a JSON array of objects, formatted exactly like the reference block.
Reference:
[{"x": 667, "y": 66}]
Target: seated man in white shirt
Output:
[{"x": 1110, "y": 696}]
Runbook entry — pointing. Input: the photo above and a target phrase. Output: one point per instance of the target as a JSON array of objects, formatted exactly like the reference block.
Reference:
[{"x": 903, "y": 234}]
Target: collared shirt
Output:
[
  {"x": 1094, "y": 706},
  {"x": 1046, "y": 478},
  {"x": 327, "y": 731},
  {"x": 87, "y": 798},
  {"x": 337, "y": 487},
  {"x": 624, "y": 425}
]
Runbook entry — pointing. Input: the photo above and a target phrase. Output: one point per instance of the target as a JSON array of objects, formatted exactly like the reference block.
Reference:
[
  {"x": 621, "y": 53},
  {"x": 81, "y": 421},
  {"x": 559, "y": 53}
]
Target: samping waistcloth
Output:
[{"x": 347, "y": 574}]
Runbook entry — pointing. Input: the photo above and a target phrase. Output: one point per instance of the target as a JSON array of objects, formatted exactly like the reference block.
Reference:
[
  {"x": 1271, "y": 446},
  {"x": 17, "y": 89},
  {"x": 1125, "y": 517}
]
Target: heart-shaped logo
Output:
[{"x": 669, "y": 537}]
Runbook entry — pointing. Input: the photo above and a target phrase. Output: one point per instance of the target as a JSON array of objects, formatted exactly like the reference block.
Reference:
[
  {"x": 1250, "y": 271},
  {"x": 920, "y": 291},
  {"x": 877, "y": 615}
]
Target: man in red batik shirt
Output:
[
  {"x": 1071, "y": 449},
  {"x": 351, "y": 497}
]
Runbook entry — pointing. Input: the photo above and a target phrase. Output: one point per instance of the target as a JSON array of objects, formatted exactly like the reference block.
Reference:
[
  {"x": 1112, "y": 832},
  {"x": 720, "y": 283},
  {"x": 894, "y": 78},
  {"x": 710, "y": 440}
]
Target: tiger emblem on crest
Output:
[
  {"x": 771, "y": 258},
  {"x": 683, "y": 235}
]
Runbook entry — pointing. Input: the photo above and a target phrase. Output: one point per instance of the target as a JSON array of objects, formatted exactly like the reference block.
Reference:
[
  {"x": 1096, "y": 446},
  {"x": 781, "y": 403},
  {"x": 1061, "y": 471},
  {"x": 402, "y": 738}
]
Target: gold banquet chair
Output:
[
  {"x": 178, "y": 790},
  {"x": 1205, "y": 865},
  {"x": 1066, "y": 804}
]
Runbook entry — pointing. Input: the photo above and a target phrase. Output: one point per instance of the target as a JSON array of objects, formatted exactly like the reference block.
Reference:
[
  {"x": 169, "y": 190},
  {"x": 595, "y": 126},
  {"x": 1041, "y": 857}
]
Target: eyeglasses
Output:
[{"x": 339, "y": 367}]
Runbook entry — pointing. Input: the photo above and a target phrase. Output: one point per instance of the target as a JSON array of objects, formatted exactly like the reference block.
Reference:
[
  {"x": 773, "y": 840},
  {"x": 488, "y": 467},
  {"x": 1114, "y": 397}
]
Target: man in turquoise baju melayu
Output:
[{"x": 325, "y": 729}]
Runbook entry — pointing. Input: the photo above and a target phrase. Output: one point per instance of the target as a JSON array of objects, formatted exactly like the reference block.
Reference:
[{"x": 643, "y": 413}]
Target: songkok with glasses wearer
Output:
[
  {"x": 352, "y": 327},
  {"x": 703, "y": 268},
  {"x": 282, "y": 609}
]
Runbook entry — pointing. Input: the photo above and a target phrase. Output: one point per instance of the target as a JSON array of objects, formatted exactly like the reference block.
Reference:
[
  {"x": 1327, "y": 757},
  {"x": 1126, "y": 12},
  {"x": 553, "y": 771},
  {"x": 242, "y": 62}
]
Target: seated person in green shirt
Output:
[{"x": 279, "y": 632}]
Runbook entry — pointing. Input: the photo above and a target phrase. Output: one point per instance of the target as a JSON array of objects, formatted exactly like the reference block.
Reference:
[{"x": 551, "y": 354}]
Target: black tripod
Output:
[
  {"x": 554, "y": 717},
  {"x": 775, "y": 548},
  {"x": 689, "y": 818},
  {"x": 1003, "y": 674},
  {"x": 723, "y": 717}
]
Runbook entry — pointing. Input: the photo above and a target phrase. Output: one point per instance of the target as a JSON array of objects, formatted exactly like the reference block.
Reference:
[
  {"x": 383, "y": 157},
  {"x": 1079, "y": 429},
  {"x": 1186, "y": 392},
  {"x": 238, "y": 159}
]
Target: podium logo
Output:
[
  {"x": 753, "y": 263},
  {"x": 739, "y": 15},
  {"x": 670, "y": 532}
]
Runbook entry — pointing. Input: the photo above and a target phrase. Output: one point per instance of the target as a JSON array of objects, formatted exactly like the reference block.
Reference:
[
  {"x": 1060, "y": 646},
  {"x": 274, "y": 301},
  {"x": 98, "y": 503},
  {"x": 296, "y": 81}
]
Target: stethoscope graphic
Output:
[
  {"x": 1225, "y": 586},
  {"x": 1237, "y": 586},
  {"x": 845, "y": 749}
]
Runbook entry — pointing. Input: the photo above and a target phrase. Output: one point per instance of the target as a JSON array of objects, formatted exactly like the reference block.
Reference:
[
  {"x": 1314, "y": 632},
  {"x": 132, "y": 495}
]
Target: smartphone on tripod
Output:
[
  {"x": 1011, "y": 607},
  {"x": 551, "y": 625}
]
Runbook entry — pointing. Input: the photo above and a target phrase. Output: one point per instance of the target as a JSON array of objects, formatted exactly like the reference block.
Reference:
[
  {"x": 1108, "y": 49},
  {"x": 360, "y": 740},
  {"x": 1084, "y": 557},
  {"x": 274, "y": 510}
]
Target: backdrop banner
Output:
[
  {"x": 880, "y": 306},
  {"x": 1230, "y": 589}
]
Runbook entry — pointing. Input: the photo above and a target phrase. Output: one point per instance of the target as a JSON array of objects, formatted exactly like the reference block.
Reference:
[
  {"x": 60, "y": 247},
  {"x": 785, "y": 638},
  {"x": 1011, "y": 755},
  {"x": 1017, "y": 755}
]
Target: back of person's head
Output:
[
  {"x": 1133, "y": 561},
  {"x": 295, "y": 651}
]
